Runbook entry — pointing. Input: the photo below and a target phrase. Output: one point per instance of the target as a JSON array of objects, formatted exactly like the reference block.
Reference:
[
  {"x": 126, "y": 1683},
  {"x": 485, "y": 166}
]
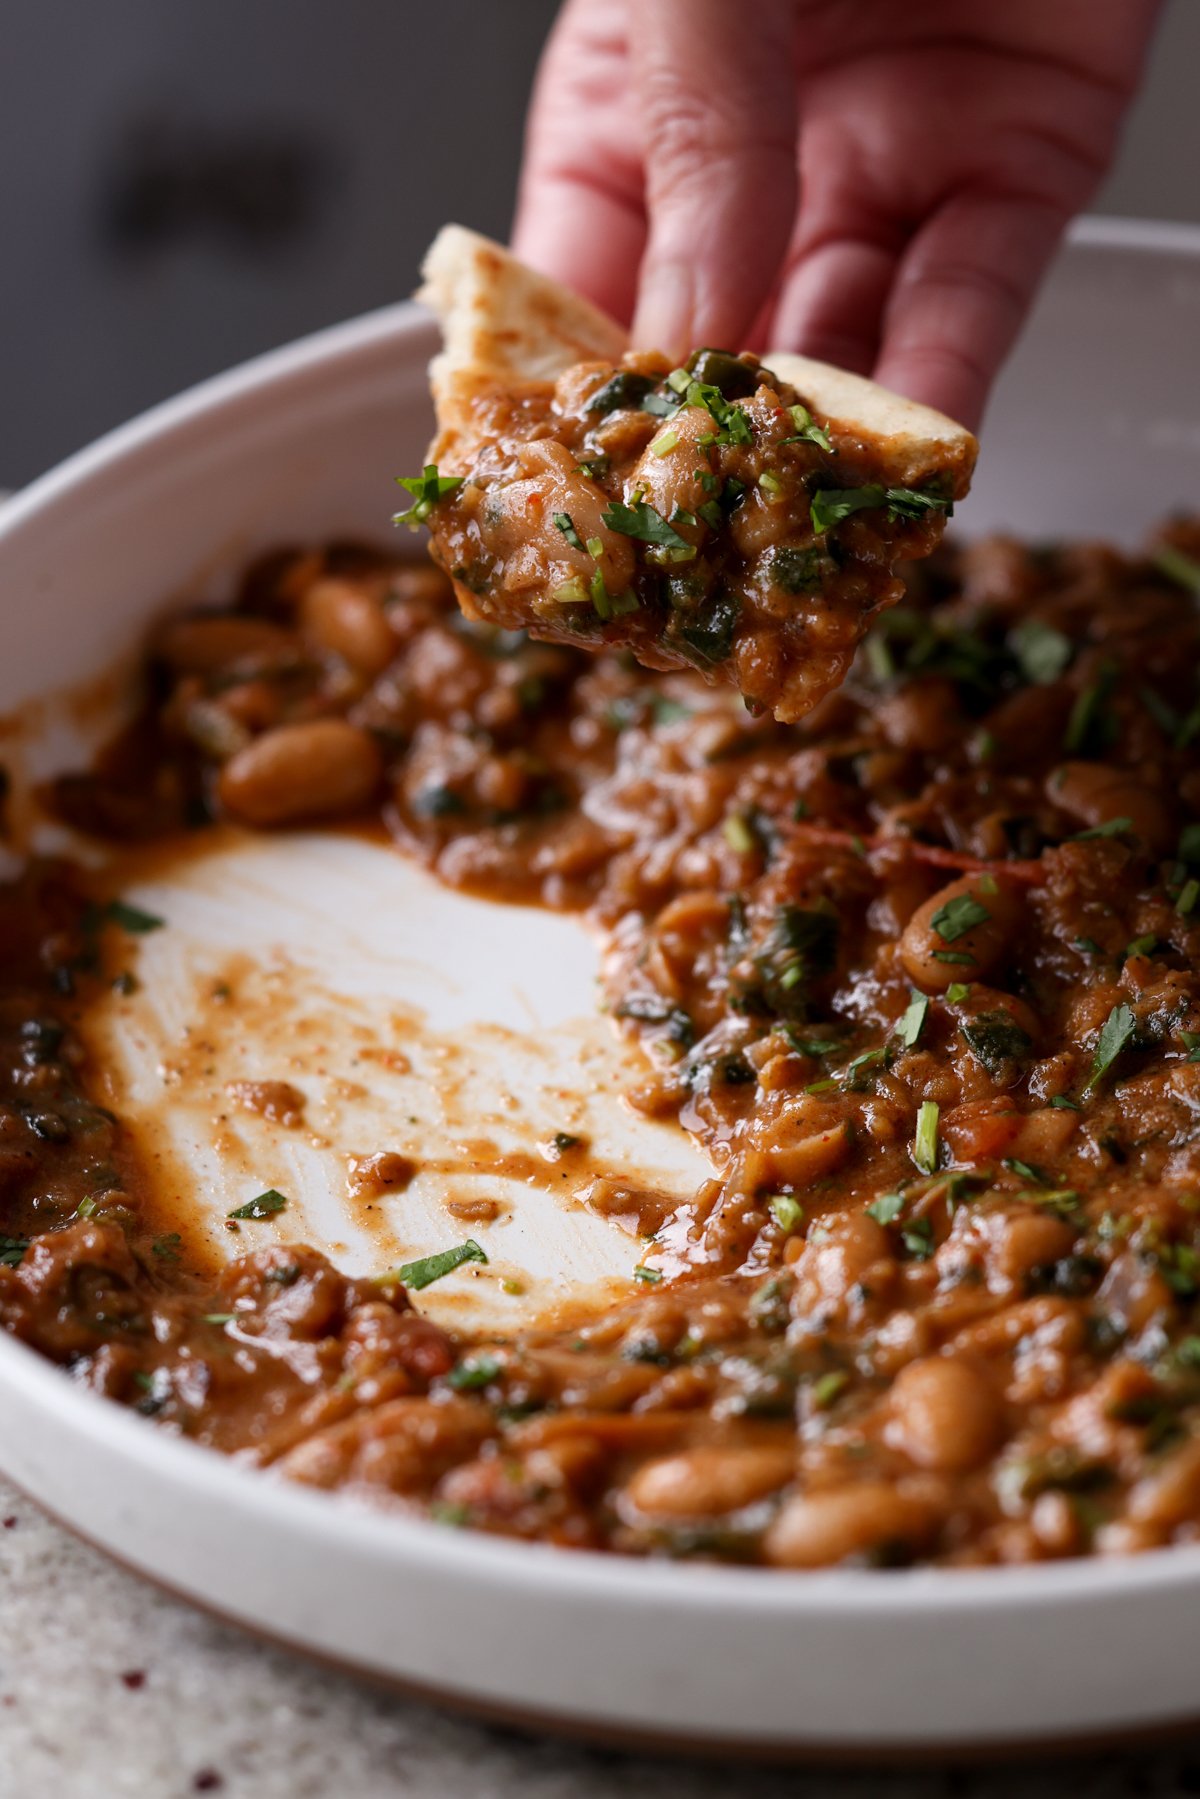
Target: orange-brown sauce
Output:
[{"x": 922, "y": 974}]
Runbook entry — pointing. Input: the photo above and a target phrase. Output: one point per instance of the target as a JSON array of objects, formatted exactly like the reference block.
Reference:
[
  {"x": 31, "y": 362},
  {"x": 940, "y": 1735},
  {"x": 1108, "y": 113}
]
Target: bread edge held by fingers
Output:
[{"x": 504, "y": 325}]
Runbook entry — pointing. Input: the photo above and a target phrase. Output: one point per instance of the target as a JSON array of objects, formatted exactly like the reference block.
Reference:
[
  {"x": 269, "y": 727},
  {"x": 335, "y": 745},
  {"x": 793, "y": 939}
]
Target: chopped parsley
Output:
[
  {"x": 263, "y": 1205},
  {"x": 427, "y": 489},
  {"x": 427, "y": 1269}
]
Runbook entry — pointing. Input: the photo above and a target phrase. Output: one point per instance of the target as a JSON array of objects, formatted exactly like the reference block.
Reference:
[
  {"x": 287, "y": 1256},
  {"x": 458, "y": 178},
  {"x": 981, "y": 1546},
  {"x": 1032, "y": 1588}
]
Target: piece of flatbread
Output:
[{"x": 776, "y": 594}]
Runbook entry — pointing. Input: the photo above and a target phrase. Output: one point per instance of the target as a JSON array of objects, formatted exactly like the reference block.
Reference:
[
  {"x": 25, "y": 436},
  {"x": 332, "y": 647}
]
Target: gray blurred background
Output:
[{"x": 190, "y": 181}]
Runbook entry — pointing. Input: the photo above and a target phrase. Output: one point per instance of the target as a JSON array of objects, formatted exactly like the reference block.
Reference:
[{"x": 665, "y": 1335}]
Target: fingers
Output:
[
  {"x": 716, "y": 94},
  {"x": 961, "y": 294},
  {"x": 580, "y": 214}
]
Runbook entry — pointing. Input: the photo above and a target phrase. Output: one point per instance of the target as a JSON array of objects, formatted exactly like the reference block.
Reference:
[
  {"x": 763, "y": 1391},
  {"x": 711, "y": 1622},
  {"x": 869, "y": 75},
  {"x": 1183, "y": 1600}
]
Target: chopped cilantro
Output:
[
  {"x": 1189, "y": 893},
  {"x": 786, "y": 1211},
  {"x": 1112, "y": 827},
  {"x": 832, "y": 504},
  {"x": 1115, "y": 1035},
  {"x": 132, "y": 918},
  {"x": 957, "y": 992},
  {"x": 917, "y": 1239},
  {"x": 958, "y": 916},
  {"x": 166, "y": 1248},
  {"x": 564, "y": 523},
  {"x": 925, "y": 1143},
  {"x": 473, "y": 1372},
  {"x": 913, "y": 1021},
  {"x": 827, "y": 1388},
  {"x": 1092, "y": 727},
  {"x": 426, "y": 1270},
  {"x": 807, "y": 430},
  {"x": 994, "y": 1039},
  {"x": 886, "y": 1209},
  {"x": 643, "y": 522},
  {"x": 12, "y": 1250},
  {"x": 649, "y": 1277},
  {"x": 1064, "y": 1103},
  {"x": 427, "y": 489},
  {"x": 1041, "y": 651},
  {"x": 263, "y": 1205}
]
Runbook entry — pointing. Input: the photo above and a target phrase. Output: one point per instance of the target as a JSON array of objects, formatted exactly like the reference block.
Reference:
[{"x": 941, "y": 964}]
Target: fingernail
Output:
[{"x": 666, "y": 299}]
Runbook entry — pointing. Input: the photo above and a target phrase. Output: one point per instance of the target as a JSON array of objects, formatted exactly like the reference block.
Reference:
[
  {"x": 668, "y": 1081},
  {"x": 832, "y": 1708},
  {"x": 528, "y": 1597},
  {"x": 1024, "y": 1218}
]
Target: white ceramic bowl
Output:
[{"x": 1096, "y": 430}]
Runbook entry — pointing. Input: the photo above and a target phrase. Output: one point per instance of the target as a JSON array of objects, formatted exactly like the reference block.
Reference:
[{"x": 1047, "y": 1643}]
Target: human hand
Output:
[{"x": 876, "y": 185}]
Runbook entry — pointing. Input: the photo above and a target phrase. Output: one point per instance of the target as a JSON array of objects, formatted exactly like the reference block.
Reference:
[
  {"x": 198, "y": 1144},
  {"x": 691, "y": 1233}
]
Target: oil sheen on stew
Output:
[{"x": 921, "y": 974}]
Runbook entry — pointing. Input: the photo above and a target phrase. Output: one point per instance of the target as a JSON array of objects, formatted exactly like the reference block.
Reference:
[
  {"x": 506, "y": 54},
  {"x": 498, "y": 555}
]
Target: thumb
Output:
[{"x": 715, "y": 89}]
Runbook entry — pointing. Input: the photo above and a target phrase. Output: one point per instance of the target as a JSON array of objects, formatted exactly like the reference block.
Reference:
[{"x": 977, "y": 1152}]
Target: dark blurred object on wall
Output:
[
  {"x": 188, "y": 182},
  {"x": 253, "y": 187}
]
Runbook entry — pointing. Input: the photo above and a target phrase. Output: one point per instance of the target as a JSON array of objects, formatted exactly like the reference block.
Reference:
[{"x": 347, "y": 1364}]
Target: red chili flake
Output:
[
  {"x": 10, "y": 1524},
  {"x": 207, "y": 1780},
  {"x": 134, "y": 1679}
]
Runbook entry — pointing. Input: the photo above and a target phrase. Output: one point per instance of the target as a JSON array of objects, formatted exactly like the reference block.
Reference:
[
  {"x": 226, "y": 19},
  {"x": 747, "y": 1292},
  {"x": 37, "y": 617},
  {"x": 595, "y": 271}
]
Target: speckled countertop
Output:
[{"x": 109, "y": 1690}]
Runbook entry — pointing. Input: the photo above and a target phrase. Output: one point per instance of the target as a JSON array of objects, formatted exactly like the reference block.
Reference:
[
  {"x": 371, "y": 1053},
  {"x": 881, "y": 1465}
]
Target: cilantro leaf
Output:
[
  {"x": 427, "y": 489},
  {"x": 132, "y": 918},
  {"x": 886, "y": 1209},
  {"x": 428, "y": 1269},
  {"x": 808, "y": 430},
  {"x": 643, "y": 522},
  {"x": 958, "y": 916},
  {"x": 1115, "y": 1035},
  {"x": 830, "y": 505},
  {"x": 913, "y": 1022},
  {"x": 263, "y": 1205},
  {"x": 1042, "y": 652}
]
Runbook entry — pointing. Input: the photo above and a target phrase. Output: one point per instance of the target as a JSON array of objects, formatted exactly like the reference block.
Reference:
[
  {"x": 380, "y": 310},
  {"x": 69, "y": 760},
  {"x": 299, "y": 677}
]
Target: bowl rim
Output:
[{"x": 614, "y": 1583}]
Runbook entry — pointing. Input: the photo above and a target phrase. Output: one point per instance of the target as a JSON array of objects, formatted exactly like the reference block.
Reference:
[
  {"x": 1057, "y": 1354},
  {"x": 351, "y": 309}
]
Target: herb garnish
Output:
[
  {"x": 913, "y": 1022},
  {"x": 925, "y": 1143},
  {"x": 263, "y": 1205},
  {"x": 1042, "y": 652},
  {"x": 132, "y": 918},
  {"x": 642, "y": 521},
  {"x": 1177, "y": 567},
  {"x": 474, "y": 1372},
  {"x": 427, "y": 489},
  {"x": 958, "y": 916},
  {"x": 427, "y": 1269},
  {"x": 1112, "y": 827},
  {"x": 829, "y": 505},
  {"x": 1115, "y": 1034},
  {"x": 808, "y": 430},
  {"x": 564, "y": 523}
]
